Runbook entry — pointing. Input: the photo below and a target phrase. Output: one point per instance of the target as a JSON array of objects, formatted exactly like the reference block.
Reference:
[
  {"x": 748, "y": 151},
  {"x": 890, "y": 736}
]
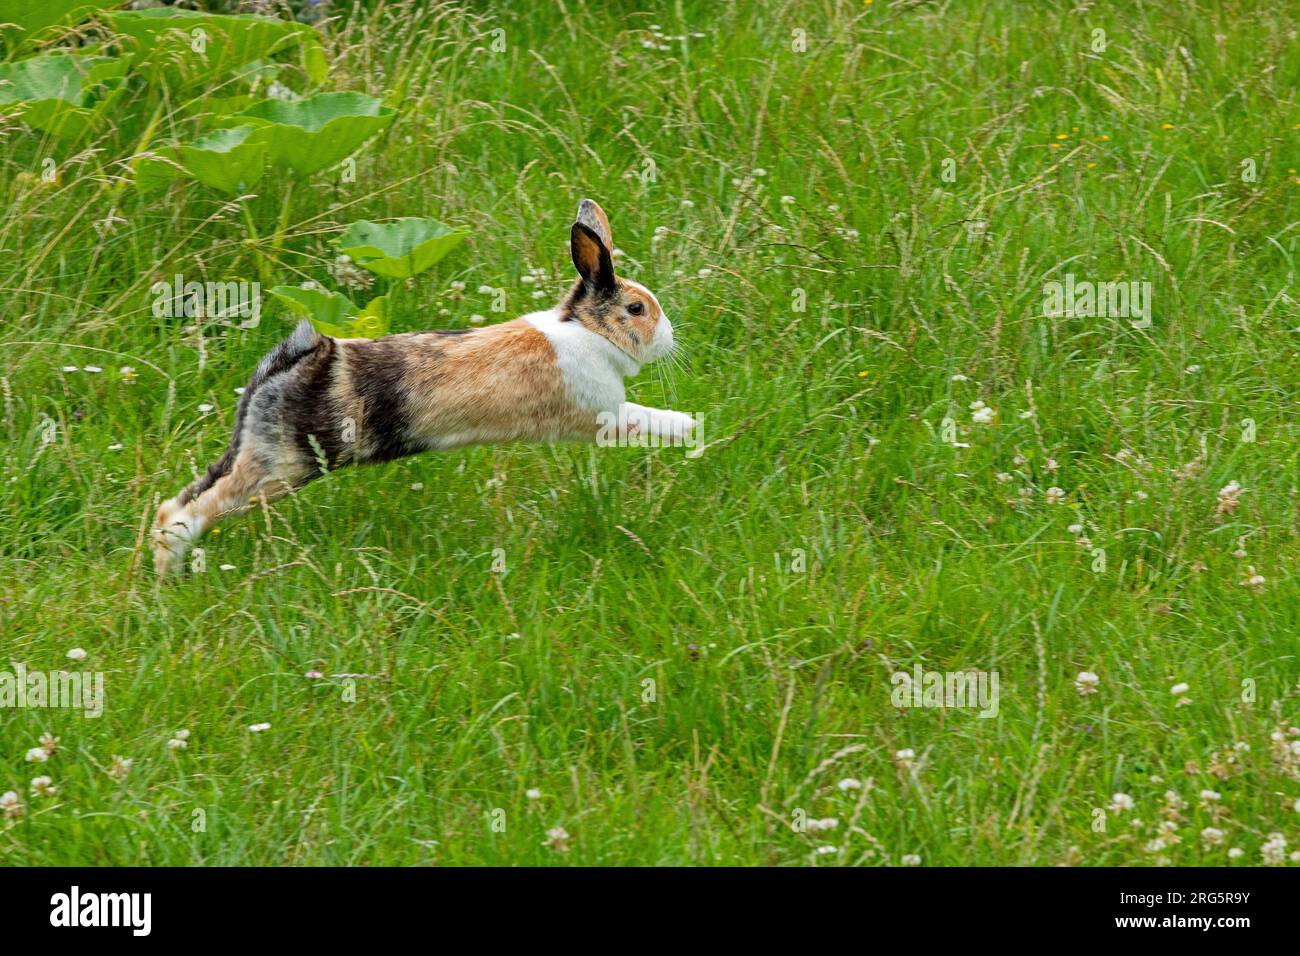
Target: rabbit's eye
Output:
[{"x": 636, "y": 308}]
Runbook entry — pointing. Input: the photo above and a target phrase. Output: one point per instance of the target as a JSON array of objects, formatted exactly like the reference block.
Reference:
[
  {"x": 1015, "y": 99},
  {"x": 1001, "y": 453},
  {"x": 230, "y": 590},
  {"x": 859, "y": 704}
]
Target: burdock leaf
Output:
[
  {"x": 309, "y": 134},
  {"x": 230, "y": 160},
  {"x": 401, "y": 248},
  {"x": 65, "y": 95}
]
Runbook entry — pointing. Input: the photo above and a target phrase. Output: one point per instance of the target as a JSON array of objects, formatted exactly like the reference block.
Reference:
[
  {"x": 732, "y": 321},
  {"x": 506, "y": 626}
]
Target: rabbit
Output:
[{"x": 317, "y": 403}]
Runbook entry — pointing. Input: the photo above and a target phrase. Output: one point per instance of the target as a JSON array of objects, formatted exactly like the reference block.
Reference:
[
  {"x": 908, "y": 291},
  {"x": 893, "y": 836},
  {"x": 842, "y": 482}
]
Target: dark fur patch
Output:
[
  {"x": 307, "y": 408},
  {"x": 286, "y": 354},
  {"x": 583, "y": 295},
  {"x": 377, "y": 369},
  {"x": 592, "y": 258}
]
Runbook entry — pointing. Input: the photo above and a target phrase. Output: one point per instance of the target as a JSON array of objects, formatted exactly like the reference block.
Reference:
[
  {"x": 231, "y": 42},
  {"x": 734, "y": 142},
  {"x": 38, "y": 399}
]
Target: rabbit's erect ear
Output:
[
  {"x": 592, "y": 258},
  {"x": 594, "y": 218}
]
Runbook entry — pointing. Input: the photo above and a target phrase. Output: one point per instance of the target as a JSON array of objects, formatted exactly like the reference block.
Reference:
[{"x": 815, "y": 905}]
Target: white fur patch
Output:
[{"x": 592, "y": 366}]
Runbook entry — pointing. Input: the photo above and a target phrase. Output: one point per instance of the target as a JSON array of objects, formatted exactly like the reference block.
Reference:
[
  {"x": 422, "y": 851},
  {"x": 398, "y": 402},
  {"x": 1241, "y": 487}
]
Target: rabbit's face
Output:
[
  {"x": 620, "y": 310},
  {"x": 629, "y": 315}
]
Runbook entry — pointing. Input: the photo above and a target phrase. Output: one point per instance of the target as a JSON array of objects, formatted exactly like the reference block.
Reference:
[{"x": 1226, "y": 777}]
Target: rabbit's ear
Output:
[
  {"x": 592, "y": 258},
  {"x": 594, "y": 218}
]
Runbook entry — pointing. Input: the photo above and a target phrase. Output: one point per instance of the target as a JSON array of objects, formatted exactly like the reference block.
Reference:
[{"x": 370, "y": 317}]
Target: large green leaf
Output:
[
  {"x": 310, "y": 134},
  {"x": 182, "y": 47},
  {"x": 156, "y": 170},
  {"x": 399, "y": 249},
  {"x": 230, "y": 160},
  {"x": 62, "y": 94},
  {"x": 333, "y": 313},
  {"x": 21, "y": 21}
]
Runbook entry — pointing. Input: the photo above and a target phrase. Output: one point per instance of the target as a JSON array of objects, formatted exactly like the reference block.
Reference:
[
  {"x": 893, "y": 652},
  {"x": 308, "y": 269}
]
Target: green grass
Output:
[{"x": 828, "y": 453}]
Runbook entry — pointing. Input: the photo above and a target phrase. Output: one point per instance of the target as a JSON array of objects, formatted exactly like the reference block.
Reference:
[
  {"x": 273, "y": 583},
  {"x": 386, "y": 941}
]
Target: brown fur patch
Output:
[{"x": 499, "y": 383}]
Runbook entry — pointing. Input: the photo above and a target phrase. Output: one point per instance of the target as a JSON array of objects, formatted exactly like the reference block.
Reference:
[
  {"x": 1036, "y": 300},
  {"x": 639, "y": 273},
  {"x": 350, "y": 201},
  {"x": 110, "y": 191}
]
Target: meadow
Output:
[{"x": 853, "y": 214}]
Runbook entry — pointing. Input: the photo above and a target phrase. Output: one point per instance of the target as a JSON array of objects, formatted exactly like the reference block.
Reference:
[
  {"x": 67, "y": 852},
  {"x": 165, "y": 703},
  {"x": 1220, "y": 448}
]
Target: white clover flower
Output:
[
  {"x": 1120, "y": 803},
  {"x": 77, "y": 654},
  {"x": 848, "y": 783},
  {"x": 10, "y": 805},
  {"x": 36, "y": 755},
  {"x": 120, "y": 767},
  {"x": 1075, "y": 528},
  {"x": 827, "y": 850},
  {"x": 532, "y": 793},
  {"x": 1228, "y": 498},
  {"x": 1054, "y": 495},
  {"x": 1178, "y": 690},
  {"x": 258, "y": 728},
  {"x": 1211, "y": 796},
  {"x": 818, "y": 826},
  {"x": 1212, "y": 836},
  {"x": 1274, "y": 851},
  {"x": 1086, "y": 683},
  {"x": 43, "y": 787},
  {"x": 557, "y": 839},
  {"x": 1236, "y": 853},
  {"x": 911, "y": 859}
]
